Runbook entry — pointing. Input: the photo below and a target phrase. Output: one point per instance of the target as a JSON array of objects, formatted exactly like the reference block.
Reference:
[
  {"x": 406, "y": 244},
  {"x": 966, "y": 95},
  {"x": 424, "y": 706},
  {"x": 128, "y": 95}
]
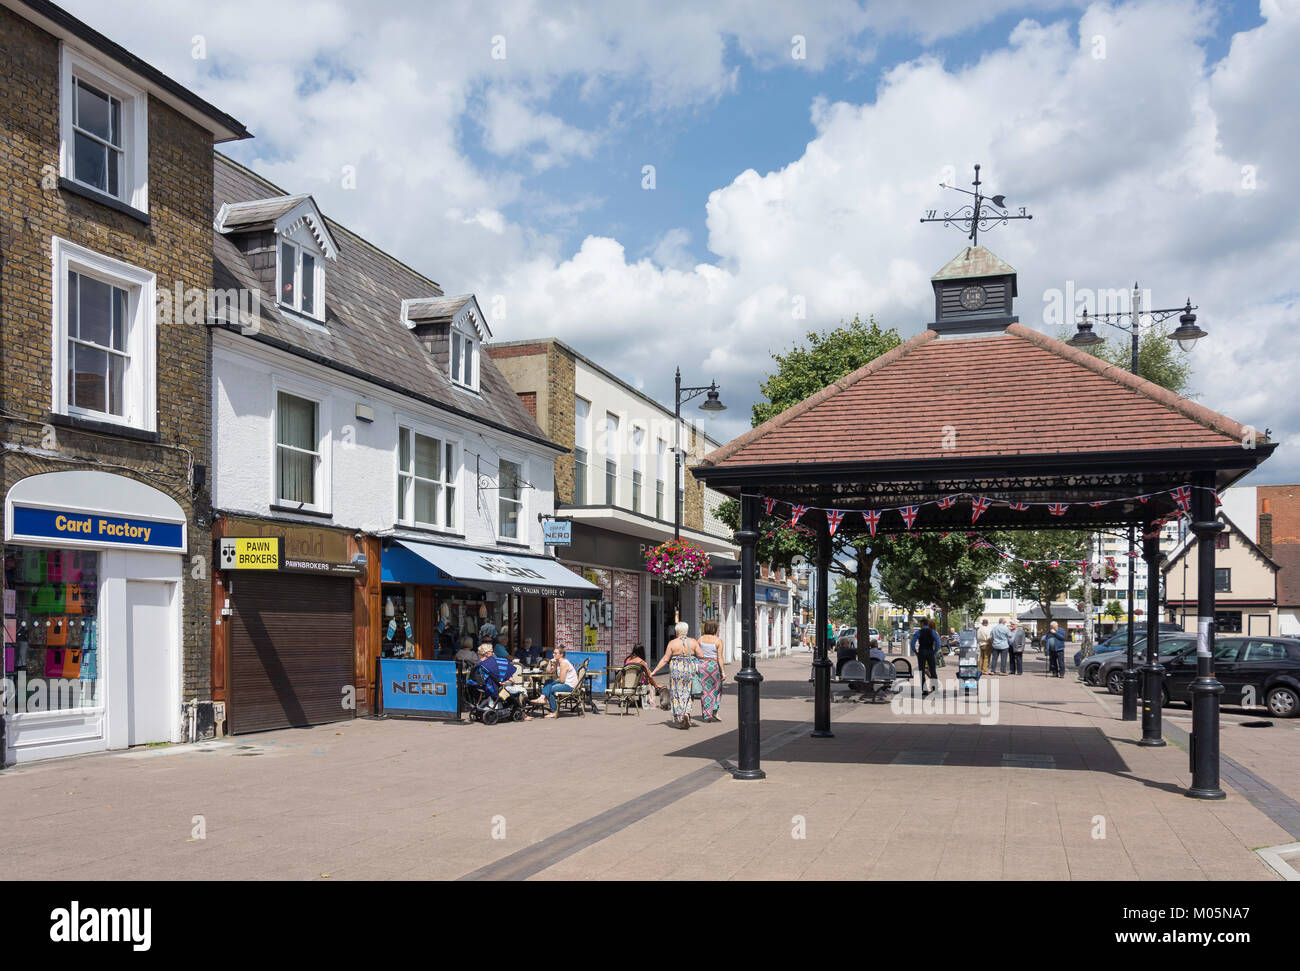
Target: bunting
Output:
[
  {"x": 796, "y": 511},
  {"x": 947, "y": 501},
  {"x": 1057, "y": 508},
  {"x": 833, "y": 517},
  {"x": 909, "y": 514},
  {"x": 1183, "y": 496},
  {"x": 769, "y": 505},
  {"x": 872, "y": 516},
  {"x": 978, "y": 507}
]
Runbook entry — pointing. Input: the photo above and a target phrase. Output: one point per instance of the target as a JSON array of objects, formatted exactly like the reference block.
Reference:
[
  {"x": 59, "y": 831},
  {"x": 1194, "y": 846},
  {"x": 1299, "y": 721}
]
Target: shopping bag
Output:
[
  {"x": 71, "y": 663},
  {"x": 72, "y": 598},
  {"x": 54, "y": 662},
  {"x": 57, "y": 635}
]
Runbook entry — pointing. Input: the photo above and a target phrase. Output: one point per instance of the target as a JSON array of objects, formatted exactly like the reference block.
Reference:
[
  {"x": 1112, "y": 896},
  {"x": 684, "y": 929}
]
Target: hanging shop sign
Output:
[{"x": 557, "y": 532}]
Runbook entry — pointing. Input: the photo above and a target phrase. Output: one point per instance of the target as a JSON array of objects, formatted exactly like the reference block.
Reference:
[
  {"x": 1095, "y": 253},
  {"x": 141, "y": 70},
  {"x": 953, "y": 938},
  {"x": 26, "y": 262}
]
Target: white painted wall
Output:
[{"x": 361, "y": 457}]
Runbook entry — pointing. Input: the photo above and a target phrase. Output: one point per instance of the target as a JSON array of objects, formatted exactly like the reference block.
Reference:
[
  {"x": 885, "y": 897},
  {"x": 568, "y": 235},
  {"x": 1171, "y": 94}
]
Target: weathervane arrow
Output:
[{"x": 982, "y": 214}]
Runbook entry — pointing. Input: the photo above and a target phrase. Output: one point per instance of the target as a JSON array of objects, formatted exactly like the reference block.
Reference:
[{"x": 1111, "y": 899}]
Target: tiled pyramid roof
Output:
[{"x": 1015, "y": 392}]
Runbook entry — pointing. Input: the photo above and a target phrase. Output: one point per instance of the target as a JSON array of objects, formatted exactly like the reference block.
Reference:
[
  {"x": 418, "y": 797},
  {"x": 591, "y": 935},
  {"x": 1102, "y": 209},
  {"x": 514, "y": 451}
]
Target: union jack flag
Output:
[
  {"x": 769, "y": 505},
  {"x": 946, "y": 501},
  {"x": 796, "y": 511},
  {"x": 1020, "y": 506},
  {"x": 1134, "y": 553},
  {"x": 872, "y": 516},
  {"x": 1215, "y": 493},
  {"x": 978, "y": 507},
  {"x": 1183, "y": 496},
  {"x": 1143, "y": 498},
  {"x": 833, "y": 517},
  {"x": 1056, "y": 563},
  {"x": 1057, "y": 508},
  {"x": 909, "y": 514},
  {"x": 1024, "y": 563},
  {"x": 1096, "y": 505}
]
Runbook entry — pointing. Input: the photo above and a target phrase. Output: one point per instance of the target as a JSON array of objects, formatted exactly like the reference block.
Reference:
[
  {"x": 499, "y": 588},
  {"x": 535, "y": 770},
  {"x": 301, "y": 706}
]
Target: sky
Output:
[{"x": 671, "y": 183}]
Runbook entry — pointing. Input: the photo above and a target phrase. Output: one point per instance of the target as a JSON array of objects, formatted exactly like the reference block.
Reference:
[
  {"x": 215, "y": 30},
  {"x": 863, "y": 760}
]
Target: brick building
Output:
[
  {"x": 615, "y": 485},
  {"x": 106, "y": 246}
]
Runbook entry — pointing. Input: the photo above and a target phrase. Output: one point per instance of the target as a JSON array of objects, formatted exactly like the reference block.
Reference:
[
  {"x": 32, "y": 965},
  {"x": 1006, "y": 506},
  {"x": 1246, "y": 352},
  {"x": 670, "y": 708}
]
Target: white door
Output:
[{"x": 150, "y": 661}]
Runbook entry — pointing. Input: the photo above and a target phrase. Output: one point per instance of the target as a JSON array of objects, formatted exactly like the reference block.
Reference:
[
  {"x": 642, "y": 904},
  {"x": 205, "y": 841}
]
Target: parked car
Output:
[
  {"x": 1118, "y": 641},
  {"x": 873, "y": 638},
  {"x": 1254, "y": 671},
  {"x": 1110, "y": 672}
]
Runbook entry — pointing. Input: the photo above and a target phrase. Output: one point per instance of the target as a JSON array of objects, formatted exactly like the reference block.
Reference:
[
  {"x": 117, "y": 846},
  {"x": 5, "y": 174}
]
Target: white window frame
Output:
[
  {"x": 452, "y": 475},
  {"x": 638, "y": 467},
  {"x": 522, "y": 461},
  {"x": 317, "y": 313},
  {"x": 133, "y": 181},
  {"x": 472, "y": 342},
  {"x": 324, "y": 444},
  {"x": 140, "y": 384},
  {"x": 661, "y": 476},
  {"x": 610, "y": 451},
  {"x": 582, "y": 440}
]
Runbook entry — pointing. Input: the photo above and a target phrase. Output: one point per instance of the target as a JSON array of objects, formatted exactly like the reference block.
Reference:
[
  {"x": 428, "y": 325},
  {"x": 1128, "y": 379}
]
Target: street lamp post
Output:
[
  {"x": 1186, "y": 334},
  {"x": 712, "y": 405}
]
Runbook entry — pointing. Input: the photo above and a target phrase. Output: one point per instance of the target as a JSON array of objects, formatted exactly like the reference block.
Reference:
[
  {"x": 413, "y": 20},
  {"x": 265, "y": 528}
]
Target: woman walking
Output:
[
  {"x": 712, "y": 673},
  {"x": 681, "y": 656}
]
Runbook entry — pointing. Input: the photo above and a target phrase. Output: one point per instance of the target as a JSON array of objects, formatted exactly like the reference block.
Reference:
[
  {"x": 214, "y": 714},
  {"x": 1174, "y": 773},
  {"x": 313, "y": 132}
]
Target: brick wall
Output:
[
  {"x": 176, "y": 246},
  {"x": 1282, "y": 502},
  {"x": 561, "y": 379}
]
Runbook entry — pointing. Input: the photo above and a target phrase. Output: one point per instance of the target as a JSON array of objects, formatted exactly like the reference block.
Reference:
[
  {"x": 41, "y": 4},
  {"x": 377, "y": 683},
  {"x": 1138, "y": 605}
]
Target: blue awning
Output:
[{"x": 406, "y": 561}]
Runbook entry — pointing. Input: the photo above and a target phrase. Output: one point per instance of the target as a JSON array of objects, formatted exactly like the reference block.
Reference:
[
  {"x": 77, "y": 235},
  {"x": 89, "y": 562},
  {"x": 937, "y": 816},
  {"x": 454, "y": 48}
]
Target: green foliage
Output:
[
  {"x": 927, "y": 568},
  {"x": 804, "y": 370},
  {"x": 842, "y": 605},
  {"x": 778, "y": 543},
  {"x": 1114, "y": 610},
  {"x": 1159, "y": 359},
  {"x": 1043, "y": 582}
]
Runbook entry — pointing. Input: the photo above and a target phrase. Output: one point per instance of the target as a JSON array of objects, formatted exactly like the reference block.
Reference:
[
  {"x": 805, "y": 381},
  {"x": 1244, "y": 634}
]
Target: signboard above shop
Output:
[{"x": 91, "y": 509}]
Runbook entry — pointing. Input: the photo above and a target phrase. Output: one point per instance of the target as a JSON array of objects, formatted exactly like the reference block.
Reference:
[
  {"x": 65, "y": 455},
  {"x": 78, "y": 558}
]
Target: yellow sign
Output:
[{"x": 252, "y": 553}]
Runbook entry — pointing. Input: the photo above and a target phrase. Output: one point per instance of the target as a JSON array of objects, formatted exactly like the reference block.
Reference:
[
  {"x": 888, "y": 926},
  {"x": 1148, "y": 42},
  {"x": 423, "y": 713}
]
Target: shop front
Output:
[
  {"x": 92, "y": 607},
  {"x": 434, "y": 596},
  {"x": 290, "y": 608},
  {"x": 772, "y": 618}
]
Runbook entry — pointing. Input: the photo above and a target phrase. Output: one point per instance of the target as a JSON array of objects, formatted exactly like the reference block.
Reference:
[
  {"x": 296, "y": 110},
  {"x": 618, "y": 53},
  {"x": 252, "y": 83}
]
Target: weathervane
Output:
[{"x": 983, "y": 214}]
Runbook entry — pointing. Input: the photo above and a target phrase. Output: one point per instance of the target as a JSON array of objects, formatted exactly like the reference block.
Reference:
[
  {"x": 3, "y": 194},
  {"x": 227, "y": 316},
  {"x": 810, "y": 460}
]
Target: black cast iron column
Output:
[
  {"x": 1204, "y": 755},
  {"x": 748, "y": 679},
  {"x": 821, "y": 660},
  {"x": 1129, "y": 709},
  {"x": 1154, "y": 674}
]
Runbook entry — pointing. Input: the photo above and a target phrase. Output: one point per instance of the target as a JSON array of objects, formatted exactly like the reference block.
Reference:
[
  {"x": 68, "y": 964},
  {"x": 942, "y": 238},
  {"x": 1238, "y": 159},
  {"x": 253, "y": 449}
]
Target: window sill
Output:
[
  {"x": 104, "y": 199},
  {"x": 512, "y": 543},
  {"x": 427, "y": 531},
  {"x": 103, "y": 427},
  {"x": 298, "y": 317},
  {"x": 302, "y": 512}
]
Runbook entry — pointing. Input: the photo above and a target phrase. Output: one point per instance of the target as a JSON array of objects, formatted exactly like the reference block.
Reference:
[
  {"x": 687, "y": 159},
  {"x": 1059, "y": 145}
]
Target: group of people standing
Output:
[{"x": 1002, "y": 647}]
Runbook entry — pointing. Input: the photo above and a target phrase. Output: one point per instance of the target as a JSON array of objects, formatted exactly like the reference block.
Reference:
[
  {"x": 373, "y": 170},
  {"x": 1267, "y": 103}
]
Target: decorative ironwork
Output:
[{"x": 978, "y": 216}]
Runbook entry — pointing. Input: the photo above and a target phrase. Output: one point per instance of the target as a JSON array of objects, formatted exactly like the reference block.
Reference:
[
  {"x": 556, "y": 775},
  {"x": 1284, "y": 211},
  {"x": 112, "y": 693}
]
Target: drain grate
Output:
[
  {"x": 1018, "y": 760},
  {"x": 919, "y": 758},
  {"x": 1256, "y": 724}
]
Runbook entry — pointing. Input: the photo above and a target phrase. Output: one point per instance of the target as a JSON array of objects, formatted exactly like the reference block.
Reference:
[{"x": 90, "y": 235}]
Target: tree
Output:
[
  {"x": 800, "y": 373},
  {"x": 1114, "y": 610},
  {"x": 1159, "y": 359},
  {"x": 842, "y": 605},
  {"x": 928, "y": 568},
  {"x": 1040, "y": 581}
]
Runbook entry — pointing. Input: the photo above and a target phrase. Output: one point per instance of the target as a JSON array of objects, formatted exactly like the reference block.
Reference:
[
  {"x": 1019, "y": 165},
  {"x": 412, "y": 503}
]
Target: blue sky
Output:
[{"x": 1152, "y": 139}]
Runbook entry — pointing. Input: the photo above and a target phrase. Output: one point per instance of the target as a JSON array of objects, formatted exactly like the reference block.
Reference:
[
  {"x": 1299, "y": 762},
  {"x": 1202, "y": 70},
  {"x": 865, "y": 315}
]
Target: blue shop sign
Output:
[
  {"x": 425, "y": 688},
  {"x": 778, "y": 595},
  {"x": 79, "y": 528}
]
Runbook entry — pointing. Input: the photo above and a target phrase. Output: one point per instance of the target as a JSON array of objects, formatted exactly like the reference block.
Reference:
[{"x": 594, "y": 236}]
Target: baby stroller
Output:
[
  {"x": 968, "y": 661},
  {"x": 488, "y": 701}
]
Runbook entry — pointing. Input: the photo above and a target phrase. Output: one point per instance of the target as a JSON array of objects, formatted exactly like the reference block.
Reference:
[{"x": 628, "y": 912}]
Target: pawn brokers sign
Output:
[{"x": 253, "y": 553}]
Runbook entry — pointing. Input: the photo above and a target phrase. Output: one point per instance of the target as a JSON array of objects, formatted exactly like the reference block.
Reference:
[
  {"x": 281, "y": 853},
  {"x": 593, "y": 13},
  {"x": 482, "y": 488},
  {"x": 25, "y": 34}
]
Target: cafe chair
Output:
[
  {"x": 575, "y": 700},
  {"x": 625, "y": 688}
]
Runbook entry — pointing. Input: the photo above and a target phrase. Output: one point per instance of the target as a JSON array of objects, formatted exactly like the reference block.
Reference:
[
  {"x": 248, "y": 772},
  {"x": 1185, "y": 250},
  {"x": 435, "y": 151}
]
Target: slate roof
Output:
[
  {"x": 440, "y": 309},
  {"x": 260, "y": 212},
  {"x": 974, "y": 261},
  {"x": 1015, "y": 392},
  {"x": 364, "y": 333}
]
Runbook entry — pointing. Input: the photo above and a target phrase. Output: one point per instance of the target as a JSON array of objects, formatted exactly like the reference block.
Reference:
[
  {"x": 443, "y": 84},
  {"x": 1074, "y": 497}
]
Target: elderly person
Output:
[
  {"x": 467, "y": 654},
  {"x": 1017, "y": 649},
  {"x": 1054, "y": 644},
  {"x": 984, "y": 640},
  {"x": 1001, "y": 638},
  {"x": 846, "y": 650},
  {"x": 529, "y": 653},
  {"x": 499, "y": 671},
  {"x": 682, "y": 654}
]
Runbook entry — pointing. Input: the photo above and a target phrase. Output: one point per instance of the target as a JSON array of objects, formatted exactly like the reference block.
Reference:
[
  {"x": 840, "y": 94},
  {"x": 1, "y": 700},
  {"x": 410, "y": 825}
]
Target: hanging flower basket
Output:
[{"x": 677, "y": 562}]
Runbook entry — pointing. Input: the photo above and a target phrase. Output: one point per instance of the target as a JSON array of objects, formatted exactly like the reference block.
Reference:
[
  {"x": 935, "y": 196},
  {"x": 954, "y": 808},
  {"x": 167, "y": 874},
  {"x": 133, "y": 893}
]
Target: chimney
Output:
[{"x": 1266, "y": 533}]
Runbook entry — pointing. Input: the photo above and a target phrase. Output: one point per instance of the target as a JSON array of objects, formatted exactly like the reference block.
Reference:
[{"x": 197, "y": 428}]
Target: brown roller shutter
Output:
[{"x": 291, "y": 651}]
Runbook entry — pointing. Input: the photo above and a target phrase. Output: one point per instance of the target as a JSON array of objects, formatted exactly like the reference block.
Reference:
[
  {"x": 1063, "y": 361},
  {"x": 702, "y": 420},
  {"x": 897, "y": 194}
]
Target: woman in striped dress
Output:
[
  {"x": 681, "y": 655},
  {"x": 712, "y": 673}
]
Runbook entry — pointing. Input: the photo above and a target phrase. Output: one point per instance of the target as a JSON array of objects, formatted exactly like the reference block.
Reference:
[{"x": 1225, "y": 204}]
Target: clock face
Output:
[{"x": 973, "y": 298}]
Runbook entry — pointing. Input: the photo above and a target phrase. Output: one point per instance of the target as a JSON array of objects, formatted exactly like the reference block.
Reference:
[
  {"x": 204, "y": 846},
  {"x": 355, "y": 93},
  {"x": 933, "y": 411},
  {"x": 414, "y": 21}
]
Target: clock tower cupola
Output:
[{"x": 973, "y": 293}]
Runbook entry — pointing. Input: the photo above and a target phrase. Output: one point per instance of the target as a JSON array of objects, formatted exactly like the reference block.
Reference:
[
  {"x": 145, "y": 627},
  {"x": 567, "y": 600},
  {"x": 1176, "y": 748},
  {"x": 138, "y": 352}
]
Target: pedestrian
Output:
[
  {"x": 926, "y": 644},
  {"x": 712, "y": 673},
  {"x": 682, "y": 653},
  {"x": 984, "y": 639},
  {"x": 1017, "y": 649},
  {"x": 1054, "y": 642},
  {"x": 1001, "y": 638}
]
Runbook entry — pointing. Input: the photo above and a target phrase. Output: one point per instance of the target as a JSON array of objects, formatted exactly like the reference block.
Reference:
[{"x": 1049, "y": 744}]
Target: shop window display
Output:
[{"x": 51, "y": 642}]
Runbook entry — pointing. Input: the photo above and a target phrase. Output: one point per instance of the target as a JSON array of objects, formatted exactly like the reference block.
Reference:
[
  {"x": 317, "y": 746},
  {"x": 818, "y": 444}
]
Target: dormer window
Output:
[
  {"x": 464, "y": 360},
  {"x": 301, "y": 280}
]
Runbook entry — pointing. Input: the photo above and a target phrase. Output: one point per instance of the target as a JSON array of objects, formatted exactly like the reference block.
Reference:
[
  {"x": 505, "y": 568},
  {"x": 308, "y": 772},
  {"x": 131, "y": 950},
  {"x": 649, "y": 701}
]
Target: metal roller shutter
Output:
[{"x": 291, "y": 652}]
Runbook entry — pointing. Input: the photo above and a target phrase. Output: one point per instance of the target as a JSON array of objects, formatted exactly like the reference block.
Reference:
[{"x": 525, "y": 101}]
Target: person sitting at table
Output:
[
  {"x": 637, "y": 658},
  {"x": 467, "y": 654},
  {"x": 500, "y": 648},
  {"x": 500, "y": 671},
  {"x": 564, "y": 679},
  {"x": 530, "y": 653}
]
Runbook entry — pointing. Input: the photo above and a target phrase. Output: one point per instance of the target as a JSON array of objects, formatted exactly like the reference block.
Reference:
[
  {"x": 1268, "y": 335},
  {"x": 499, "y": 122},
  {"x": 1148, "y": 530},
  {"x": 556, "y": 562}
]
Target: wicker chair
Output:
[
  {"x": 625, "y": 687},
  {"x": 575, "y": 700}
]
